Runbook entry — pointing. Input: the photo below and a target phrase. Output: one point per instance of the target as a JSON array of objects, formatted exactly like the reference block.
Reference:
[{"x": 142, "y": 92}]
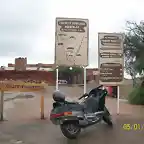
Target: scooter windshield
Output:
[{"x": 93, "y": 91}]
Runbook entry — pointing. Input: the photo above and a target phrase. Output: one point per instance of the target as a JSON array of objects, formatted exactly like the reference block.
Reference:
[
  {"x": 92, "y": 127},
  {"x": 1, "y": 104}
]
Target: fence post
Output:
[
  {"x": 42, "y": 107},
  {"x": 1, "y": 105}
]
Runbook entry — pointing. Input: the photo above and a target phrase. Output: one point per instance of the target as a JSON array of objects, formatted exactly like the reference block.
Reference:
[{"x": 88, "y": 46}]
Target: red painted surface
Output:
[
  {"x": 110, "y": 90},
  {"x": 28, "y": 75}
]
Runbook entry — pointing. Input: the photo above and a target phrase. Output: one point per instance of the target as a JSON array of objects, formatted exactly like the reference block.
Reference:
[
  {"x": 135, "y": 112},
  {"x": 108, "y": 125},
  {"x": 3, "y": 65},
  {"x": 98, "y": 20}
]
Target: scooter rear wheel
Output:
[{"x": 70, "y": 129}]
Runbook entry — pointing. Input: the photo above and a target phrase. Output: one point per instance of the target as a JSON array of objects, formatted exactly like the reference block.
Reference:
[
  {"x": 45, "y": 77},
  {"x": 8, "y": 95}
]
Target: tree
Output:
[
  {"x": 130, "y": 62},
  {"x": 74, "y": 70},
  {"x": 134, "y": 58},
  {"x": 129, "y": 68},
  {"x": 134, "y": 47}
]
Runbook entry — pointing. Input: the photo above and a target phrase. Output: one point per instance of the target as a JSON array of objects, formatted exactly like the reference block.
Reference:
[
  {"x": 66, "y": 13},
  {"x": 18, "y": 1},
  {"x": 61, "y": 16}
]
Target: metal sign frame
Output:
[
  {"x": 87, "y": 39},
  {"x": 122, "y": 59}
]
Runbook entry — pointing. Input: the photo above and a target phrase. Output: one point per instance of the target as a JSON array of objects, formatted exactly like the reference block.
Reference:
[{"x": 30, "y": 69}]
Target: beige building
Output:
[{"x": 21, "y": 64}]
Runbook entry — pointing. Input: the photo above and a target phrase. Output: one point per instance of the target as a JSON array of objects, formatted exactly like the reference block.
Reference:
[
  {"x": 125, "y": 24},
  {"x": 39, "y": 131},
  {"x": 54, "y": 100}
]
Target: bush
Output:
[{"x": 136, "y": 96}]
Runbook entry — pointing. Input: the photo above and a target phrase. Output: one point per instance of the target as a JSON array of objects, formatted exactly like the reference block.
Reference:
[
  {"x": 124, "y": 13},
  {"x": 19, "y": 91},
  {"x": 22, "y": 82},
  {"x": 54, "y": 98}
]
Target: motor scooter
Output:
[{"x": 73, "y": 116}]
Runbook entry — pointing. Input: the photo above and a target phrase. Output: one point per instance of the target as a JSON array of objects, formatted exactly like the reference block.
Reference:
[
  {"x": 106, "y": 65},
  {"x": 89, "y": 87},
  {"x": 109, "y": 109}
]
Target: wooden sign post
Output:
[{"x": 1, "y": 105}]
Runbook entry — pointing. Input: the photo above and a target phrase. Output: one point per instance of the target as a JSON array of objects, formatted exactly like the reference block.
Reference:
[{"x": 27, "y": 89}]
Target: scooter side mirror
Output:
[
  {"x": 86, "y": 94},
  {"x": 103, "y": 88}
]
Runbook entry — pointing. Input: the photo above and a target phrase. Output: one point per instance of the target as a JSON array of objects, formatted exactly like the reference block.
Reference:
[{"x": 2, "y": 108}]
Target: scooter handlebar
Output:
[
  {"x": 84, "y": 95},
  {"x": 99, "y": 86}
]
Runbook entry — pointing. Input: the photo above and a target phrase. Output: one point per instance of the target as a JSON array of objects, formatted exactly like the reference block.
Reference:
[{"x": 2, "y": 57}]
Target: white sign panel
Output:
[
  {"x": 111, "y": 60},
  {"x": 71, "y": 42}
]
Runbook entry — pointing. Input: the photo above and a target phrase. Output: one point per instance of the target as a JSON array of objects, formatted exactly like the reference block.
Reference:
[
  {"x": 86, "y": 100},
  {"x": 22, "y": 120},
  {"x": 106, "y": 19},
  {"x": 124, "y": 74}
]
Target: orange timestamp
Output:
[{"x": 135, "y": 127}]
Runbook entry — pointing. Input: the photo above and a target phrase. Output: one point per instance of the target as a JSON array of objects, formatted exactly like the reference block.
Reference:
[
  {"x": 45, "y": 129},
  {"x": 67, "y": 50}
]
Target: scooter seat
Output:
[
  {"x": 71, "y": 102},
  {"x": 91, "y": 104},
  {"x": 58, "y": 96},
  {"x": 75, "y": 106}
]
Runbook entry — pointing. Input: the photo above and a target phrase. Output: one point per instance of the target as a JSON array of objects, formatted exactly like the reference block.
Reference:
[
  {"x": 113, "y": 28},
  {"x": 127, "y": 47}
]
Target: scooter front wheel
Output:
[
  {"x": 108, "y": 120},
  {"x": 71, "y": 130},
  {"x": 107, "y": 117}
]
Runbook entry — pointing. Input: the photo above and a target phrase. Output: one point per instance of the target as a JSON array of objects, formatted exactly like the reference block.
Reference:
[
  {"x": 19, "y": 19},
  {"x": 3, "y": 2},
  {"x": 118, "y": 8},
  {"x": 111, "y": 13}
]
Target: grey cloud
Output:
[
  {"x": 17, "y": 47},
  {"x": 20, "y": 22},
  {"x": 93, "y": 49},
  {"x": 16, "y": 27}
]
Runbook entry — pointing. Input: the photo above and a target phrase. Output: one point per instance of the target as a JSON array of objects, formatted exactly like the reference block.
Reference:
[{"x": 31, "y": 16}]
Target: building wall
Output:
[
  {"x": 20, "y": 64},
  {"x": 29, "y": 76},
  {"x": 92, "y": 74}
]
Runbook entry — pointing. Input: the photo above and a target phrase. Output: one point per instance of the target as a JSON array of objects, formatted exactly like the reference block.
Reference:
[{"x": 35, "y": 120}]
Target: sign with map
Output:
[
  {"x": 111, "y": 60},
  {"x": 71, "y": 42}
]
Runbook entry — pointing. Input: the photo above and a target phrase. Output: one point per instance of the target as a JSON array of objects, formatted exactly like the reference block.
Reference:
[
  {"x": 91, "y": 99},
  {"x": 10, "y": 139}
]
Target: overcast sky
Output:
[{"x": 27, "y": 27}]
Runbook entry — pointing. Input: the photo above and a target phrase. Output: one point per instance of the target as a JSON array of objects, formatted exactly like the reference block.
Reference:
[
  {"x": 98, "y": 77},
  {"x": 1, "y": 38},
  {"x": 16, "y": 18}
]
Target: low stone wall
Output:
[{"x": 125, "y": 90}]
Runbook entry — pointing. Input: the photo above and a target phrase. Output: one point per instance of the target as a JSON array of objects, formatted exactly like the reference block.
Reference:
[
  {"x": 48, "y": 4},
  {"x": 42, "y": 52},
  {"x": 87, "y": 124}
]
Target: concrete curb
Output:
[{"x": 11, "y": 97}]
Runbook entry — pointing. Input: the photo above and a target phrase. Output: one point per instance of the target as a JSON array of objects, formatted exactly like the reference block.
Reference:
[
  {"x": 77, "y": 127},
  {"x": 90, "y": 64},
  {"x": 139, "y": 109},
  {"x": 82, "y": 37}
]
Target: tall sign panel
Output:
[
  {"x": 71, "y": 42},
  {"x": 111, "y": 60}
]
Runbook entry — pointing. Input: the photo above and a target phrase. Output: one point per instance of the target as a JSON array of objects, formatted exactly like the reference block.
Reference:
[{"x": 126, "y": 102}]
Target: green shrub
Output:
[{"x": 136, "y": 96}]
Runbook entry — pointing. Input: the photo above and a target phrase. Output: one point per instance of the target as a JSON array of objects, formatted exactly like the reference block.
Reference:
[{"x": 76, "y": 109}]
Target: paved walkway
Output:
[
  {"x": 36, "y": 132},
  {"x": 24, "y": 125},
  {"x": 24, "y": 109}
]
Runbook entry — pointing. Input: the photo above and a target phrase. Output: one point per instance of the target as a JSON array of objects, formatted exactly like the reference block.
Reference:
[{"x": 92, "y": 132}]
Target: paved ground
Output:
[
  {"x": 23, "y": 125},
  {"x": 36, "y": 132}
]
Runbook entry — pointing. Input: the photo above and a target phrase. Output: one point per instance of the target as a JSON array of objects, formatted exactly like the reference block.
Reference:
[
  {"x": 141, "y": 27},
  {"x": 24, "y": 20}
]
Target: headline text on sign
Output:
[{"x": 9, "y": 86}]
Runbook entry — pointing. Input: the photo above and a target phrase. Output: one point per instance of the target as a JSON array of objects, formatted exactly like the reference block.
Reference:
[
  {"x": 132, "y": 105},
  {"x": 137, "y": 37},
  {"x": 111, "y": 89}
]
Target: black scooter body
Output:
[{"x": 91, "y": 111}]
